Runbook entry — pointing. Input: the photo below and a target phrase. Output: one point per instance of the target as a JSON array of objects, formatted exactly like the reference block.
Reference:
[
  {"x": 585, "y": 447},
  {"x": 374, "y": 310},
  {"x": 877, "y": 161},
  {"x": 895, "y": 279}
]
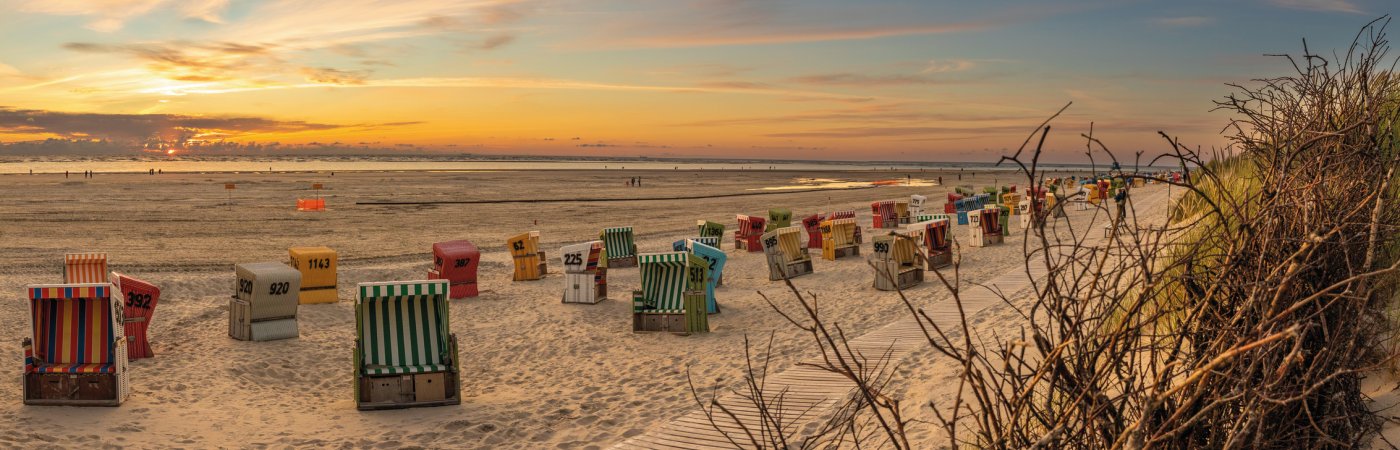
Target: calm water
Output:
[{"x": 177, "y": 164}]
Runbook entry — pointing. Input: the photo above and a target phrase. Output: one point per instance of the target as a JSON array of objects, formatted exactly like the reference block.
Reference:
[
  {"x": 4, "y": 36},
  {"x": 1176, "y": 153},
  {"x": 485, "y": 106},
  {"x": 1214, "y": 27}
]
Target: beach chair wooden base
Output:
[
  {"x": 793, "y": 270},
  {"x": 940, "y": 260},
  {"x": 408, "y": 391},
  {"x": 72, "y": 389},
  {"x": 544, "y": 265},
  {"x": 908, "y": 277},
  {"x": 986, "y": 240},
  {"x": 842, "y": 252},
  {"x": 243, "y": 328},
  {"x": 693, "y": 320},
  {"x": 321, "y": 294},
  {"x": 576, "y": 289},
  {"x": 622, "y": 263}
]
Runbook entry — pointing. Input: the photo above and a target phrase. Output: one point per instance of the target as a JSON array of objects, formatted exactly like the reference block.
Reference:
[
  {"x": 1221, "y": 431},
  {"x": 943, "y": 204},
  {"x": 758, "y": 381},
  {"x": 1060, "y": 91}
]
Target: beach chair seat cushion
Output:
[
  {"x": 404, "y": 370},
  {"x": 74, "y": 332},
  {"x": 76, "y": 368}
]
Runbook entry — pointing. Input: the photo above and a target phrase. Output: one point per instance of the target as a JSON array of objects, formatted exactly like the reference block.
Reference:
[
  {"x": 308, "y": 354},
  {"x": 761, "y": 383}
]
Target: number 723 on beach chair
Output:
[{"x": 405, "y": 352}]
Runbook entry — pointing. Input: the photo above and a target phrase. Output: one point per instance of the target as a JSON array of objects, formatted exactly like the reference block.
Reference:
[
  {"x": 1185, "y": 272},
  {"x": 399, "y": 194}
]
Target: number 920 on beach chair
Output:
[
  {"x": 620, "y": 249},
  {"x": 85, "y": 268},
  {"x": 318, "y": 274},
  {"x": 456, "y": 262},
  {"x": 896, "y": 262},
  {"x": 76, "y": 354},
  {"x": 405, "y": 352},
  {"x": 585, "y": 273},
  {"x": 787, "y": 257},
  {"x": 264, "y": 303},
  {"x": 529, "y": 260},
  {"x": 139, "y": 307},
  {"x": 672, "y": 298}
]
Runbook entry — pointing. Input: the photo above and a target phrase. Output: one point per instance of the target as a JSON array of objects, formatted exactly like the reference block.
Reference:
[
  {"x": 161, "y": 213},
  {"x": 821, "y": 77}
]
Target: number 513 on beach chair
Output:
[{"x": 672, "y": 298}]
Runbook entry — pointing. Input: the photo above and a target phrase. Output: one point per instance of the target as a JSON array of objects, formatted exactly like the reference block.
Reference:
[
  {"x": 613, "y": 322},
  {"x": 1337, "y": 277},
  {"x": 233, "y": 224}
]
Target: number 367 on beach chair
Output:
[
  {"x": 672, "y": 298},
  {"x": 787, "y": 257},
  {"x": 405, "y": 352},
  {"x": 619, "y": 247},
  {"x": 530, "y": 263},
  {"x": 76, "y": 354}
]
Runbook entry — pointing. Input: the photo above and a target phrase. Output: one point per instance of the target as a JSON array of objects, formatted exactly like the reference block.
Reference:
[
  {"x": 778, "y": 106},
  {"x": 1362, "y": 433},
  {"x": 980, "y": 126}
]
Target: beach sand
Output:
[{"x": 536, "y": 373}]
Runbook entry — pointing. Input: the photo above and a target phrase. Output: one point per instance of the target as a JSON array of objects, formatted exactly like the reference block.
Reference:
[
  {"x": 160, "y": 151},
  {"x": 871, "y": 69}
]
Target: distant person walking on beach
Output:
[{"x": 65, "y": 174}]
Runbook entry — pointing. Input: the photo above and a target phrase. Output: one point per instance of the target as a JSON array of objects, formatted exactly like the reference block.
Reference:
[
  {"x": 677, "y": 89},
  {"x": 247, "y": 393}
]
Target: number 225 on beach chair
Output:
[
  {"x": 585, "y": 275},
  {"x": 264, "y": 304},
  {"x": 528, "y": 259},
  {"x": 456, "y": 262},
  {"x": 787, "y": 258},
  {"x": 140, "y": 306},
  {"x": 672, "y": 298},
  {"x": 76, "y": 354},
  {"x": 405, "y": 352}
]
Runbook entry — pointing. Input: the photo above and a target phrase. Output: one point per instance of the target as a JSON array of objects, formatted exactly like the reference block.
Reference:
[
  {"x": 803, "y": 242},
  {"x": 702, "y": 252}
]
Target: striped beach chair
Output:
[
  {"x": 1011, "y": 200},
  {"x": 318, "y": 274},
  {"x": 813, "y": 225},
  {"x": 984, "y": 227},
  {"x": 901, "y": 212},
  {"x": 76, "y": 355},
  {"x": 85, "y": 268},
  {"x": 456, "y": 262},
  {"x": 848, "y": 214},
  {"x": 620, "y": 249},
  {"x": 883, "y": 214},
  {"x": 672, "y": 298},
  {"x": 787, "y": 257},
  {"x": 896, "y": 261},
  {"x": 264, "y": 303},
  {"x": 838, "y": 238},
  {"x": 139, "y": 307},
  {"x": 585, "y": 273},
  {"x": 405, "y": 352},
  {"x": 710, "y": 229},
  {"x": 935, "y": 236},
  {"x": 747, "y": 234},
  {"x": 529, "y": 260},
  {"x": 778, "y": 218}
]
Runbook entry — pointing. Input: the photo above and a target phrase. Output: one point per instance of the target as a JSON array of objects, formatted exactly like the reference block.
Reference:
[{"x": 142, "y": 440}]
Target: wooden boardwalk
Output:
[{"x": 808, "y": 393}]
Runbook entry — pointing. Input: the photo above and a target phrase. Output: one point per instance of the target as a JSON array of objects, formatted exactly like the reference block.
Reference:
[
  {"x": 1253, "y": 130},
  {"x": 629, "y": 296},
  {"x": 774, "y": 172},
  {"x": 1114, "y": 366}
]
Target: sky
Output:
[{"x": 913, "y": 80}]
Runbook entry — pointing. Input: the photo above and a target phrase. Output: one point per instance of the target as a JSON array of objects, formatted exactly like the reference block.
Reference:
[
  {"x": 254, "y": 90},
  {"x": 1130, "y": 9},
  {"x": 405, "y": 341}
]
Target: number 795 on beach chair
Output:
[{"x": 405, "y": 352}]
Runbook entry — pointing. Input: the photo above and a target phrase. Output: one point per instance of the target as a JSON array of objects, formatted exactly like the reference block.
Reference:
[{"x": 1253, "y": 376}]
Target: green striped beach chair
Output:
[
  {"x": 710, "y": 229},
  {"x": 619, "y": 246},
  {"x": 405, "y": 352},
  {"x": 672, "y": 298}
]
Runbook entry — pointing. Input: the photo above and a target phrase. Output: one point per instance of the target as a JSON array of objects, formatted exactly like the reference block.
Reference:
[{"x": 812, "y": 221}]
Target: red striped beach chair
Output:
[
  {"x": 140, "y": 305},
  {"x": 883, "y": 214},
  {"x": 746, "y": 237},
  {"x": 75, "y": 355},
  {"x": 85, "y": 268}
]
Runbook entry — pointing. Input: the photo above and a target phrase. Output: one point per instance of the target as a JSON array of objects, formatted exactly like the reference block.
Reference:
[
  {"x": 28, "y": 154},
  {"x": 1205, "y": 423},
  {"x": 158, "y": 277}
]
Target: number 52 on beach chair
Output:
[
  {"x": 76, "y": 354},
  {"x": 530, "y": 263},
  {"x": 405, "y": 352},
  {"x": 672, "y": 298}
]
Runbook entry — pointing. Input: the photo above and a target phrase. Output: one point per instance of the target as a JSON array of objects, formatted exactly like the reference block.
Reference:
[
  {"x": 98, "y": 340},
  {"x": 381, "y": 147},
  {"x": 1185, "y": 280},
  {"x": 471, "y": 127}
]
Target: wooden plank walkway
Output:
[{"x": 808, "y": 393}]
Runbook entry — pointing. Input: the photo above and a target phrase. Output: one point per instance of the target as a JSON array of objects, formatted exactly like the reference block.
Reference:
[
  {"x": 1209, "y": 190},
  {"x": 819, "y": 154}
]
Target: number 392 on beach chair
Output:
[
  {"x": 787, "y": 257},
  {"x": 264, "y": 305},
  {"x": 585, "y": 273},
  {"x": 140, "y": 306},
  {"x": 672, "y": 298},
  {"x": 76, "y": 355},
  {"x": 619, "y": 247},
  {"x": 405, "y": 352}
]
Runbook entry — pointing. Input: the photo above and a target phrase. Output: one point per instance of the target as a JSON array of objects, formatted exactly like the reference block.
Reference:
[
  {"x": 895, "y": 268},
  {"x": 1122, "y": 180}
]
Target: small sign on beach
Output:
[{"x": 229, "y": 186}]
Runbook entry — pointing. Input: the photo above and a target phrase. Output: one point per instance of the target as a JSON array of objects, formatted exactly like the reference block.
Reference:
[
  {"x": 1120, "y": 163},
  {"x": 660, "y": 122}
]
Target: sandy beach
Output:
[{"x": 536, "y": 373}]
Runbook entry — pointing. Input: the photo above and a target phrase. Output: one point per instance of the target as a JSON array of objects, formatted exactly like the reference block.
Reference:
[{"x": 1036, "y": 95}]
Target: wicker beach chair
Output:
[
  {"x": 787, "y": 257},
  {"x": 456, "y": 262},
  {"x": 749, "y": 231},
  {"x": 813, "y": 225},
  {"x": 264, "y": 303},
  {"x": 838, "y": 238},
  {"x": 710, "y": 229},
  {"x": 85, "y": 268},
  {"x": 984, "y": 227},
  {"x": 672, "y": 298},
  {"x": 778, "y": 218},
  {"x": 529, "y": 260},
  {"x": 896, "y": 262},
  {"x": 318, "y": 274},
  {"x": 620, "y": 249},
  {"x": 405, "y": 352},
  {"x": 138, "y": 308},
  {"x": 585, "y": 273},
  {"x": 75, "y": 355}
]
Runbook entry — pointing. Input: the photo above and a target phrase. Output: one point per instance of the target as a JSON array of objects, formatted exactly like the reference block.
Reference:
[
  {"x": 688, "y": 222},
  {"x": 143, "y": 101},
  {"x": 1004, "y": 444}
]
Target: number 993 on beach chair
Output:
[
  {"x": 76, "y": 354},
  {"x": 405, "y": 352},
  {"x": 672, "y": 298}
]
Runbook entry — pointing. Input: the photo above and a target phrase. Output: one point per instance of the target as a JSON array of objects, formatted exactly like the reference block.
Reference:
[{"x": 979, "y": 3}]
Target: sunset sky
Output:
[{"x": 782, "y": 79}]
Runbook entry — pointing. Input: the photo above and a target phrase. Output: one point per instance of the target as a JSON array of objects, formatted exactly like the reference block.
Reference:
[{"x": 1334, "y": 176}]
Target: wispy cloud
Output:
[
  {"x": 144, "y": 127},
  {"x": 1342, "y": 6},
  {"x": 1183, "y": 21},
  {"x": 112, "y": 15},
  {"x": 880, "y": 80}
]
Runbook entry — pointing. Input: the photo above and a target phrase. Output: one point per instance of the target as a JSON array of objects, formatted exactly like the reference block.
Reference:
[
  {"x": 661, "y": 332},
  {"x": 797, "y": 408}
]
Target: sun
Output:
[{"x": 170, "y": 152}]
